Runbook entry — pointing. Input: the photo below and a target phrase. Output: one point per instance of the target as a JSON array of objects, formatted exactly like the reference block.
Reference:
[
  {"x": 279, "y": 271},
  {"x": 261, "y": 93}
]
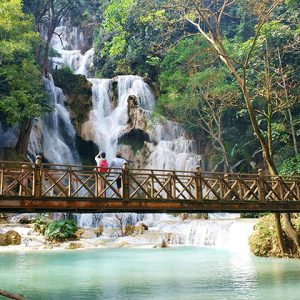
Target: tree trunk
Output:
[
  {"x": 280, "y": 233},
  {"x": 24, "y": 136},
  {"x": 11, "y": 295},
  {"x": 46, "y": 59},
  {"x": 217, "y": 43},
  {"x": 291, "y": 231},
  {"x": 293, "y": 131},
  {"x": 287, "y": 97}
]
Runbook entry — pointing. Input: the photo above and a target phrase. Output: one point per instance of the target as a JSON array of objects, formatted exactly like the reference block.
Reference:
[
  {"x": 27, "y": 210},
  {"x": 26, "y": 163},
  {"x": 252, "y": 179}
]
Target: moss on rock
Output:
[
  {"x": 264, "y": 241},
  {"x": 11, "y": 237},
  {"x": 78, "y": 92}
]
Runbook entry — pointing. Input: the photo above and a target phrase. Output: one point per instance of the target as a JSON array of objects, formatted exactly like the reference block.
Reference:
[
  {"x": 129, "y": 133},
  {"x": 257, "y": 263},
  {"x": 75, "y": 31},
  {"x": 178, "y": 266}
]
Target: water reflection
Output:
[{"x": 174, "y": 273}]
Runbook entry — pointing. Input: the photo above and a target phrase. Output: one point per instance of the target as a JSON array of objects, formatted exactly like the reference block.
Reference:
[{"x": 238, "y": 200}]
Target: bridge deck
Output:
[{"x": 36, "y": 187}]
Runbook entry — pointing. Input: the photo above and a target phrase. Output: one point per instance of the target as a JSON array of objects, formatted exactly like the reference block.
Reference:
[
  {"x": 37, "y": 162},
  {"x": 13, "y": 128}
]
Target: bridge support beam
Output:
[{"x": 199, "y": 194}]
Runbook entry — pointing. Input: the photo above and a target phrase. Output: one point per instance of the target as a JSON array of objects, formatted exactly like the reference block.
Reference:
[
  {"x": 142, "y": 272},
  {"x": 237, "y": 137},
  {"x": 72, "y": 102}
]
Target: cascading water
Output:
[
  {"x": 107, "y": 124},
  {"x": 108, "y": 121},
  {"x": 57, "y": 131},
  {"x": 54, "y": 135}
]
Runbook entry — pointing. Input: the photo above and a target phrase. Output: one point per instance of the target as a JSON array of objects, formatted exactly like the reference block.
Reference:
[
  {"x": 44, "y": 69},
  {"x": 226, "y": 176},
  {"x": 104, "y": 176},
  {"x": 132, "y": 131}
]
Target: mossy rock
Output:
[
  {"x": 11, "y": 237},
  {"x": 264, "y": 240},
  {"x": 73, "y": 246},
  {"x": 78, "y": 92}
]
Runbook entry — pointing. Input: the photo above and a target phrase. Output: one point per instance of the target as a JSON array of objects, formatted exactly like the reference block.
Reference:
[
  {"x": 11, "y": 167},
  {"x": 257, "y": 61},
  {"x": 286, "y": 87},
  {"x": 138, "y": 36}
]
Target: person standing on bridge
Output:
[
  {"x": 102, "y": 169},
  {"x": 118, "y": 162}
]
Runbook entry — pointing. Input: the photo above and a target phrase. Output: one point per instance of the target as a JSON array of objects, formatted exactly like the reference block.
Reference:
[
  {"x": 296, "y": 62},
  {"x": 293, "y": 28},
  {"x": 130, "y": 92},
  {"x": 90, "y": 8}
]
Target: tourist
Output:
[
  {"x": 102, "y": 169},
  {"x": 118, "y": 162}
]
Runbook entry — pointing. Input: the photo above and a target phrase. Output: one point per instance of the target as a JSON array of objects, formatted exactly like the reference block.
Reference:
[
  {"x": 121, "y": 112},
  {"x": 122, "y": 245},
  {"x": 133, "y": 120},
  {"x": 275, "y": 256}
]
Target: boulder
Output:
[
  {"x": 78, "y": 96},
  {"x": 99, "y": 230},
  {"x": 11, "y": 237},
  {"x": 86, "y": 233},
  {"x": 137, "y": 118},
  {"x": 73, "y": 246},
  {"x": 23, "y": 218}
]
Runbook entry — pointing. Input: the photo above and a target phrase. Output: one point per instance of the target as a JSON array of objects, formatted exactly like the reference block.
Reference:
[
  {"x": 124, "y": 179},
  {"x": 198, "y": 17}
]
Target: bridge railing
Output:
[{"x": 38, "y": 181}]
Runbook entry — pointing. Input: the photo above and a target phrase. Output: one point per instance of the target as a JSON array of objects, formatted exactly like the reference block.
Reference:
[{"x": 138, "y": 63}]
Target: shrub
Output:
[
  {"x": 60, "y": 230},
  {"x": 290, "y": 166},
  {"x": 263, "y": 241},
  {"x": 40, "y": 224}
]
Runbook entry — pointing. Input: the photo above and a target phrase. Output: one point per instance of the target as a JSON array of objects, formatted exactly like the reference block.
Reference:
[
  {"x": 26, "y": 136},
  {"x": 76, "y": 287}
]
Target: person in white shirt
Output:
[{"x": 118, "y": 162}]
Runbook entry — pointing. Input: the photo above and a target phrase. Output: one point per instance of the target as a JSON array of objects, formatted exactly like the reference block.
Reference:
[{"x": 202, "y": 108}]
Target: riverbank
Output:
[{"x": 229, "y": 234}]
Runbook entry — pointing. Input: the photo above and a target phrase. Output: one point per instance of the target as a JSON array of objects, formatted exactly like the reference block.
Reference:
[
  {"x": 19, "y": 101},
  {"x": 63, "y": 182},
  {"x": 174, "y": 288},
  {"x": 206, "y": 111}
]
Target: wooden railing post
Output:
[
  {"x": 24, "y": 181},
  {"x": 279, "y": 188},
  {"x": 260, "y": 183},
  {"x": 152, "y": 185},
  {"x": 168, "y": 186},
  {"x": 37, "y": 178},
  {"x": 240, "y": 192},
  {"x": 1, "y": 179},
  {"x": 199, "y": 195},
  {"x": 70, "y": 182},
  {"x": 96, "y": 183},
  {"x": 226, "y": 189},
  {"x": 125, "y": 182}
]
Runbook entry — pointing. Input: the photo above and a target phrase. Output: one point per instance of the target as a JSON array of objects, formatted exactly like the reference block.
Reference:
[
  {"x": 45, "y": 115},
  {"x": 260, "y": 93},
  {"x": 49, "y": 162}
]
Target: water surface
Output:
[{"x": 172, "y": 273}]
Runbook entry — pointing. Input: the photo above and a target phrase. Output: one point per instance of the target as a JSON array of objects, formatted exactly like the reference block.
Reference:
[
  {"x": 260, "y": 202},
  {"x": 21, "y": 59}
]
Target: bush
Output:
[
  {"x": 290, "y": 166},
  {"x": 263, "y": 241},
  {"x": 40, "y": 224},
  {"x": 60, "y": 230}
]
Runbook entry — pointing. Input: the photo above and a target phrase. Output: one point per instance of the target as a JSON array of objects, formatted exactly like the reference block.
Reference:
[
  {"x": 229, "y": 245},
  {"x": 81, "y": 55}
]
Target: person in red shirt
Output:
[{"x": 102, "y": 169}]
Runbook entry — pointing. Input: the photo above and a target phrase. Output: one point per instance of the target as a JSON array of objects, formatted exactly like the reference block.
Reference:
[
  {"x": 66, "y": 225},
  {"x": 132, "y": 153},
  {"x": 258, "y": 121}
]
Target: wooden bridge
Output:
[{"x": 37, "y": 187}]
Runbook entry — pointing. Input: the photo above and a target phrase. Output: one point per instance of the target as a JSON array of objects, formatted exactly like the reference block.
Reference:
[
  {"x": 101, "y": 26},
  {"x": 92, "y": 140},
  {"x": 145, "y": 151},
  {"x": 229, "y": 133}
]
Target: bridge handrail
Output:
[
  {"x": 84, "y": 167},
  {"x": 24, "y": 179},
  {"x": 93, "y": 168}
]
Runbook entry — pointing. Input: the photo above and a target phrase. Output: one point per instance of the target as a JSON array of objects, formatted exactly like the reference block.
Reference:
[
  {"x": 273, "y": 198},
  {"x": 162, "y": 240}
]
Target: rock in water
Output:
[{"x": 10, "y": 238}]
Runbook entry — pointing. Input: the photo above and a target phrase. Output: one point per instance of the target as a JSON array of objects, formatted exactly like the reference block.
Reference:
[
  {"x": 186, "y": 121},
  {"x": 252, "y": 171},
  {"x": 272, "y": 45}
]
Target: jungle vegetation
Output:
[{"x": 227, "y": 70}]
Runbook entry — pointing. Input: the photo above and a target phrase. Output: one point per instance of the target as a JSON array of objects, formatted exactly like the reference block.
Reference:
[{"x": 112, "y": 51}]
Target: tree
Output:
[
  {"x": 21, "y": 91},
  {"x": 207, "y": 17},
  {"x": 196, "y": 92},
  {"x": 130, "y": 40},
  {"x": 48, "y": 15}
]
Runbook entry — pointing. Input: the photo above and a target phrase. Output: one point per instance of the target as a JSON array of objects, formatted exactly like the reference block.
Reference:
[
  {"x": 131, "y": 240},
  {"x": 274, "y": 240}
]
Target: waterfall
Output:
[
  {"x": 108, "y": 122},
  {"x": 233, "y": 234},
  {"x": 57, "y": 133},
  {"x": 54, "y": 135}
]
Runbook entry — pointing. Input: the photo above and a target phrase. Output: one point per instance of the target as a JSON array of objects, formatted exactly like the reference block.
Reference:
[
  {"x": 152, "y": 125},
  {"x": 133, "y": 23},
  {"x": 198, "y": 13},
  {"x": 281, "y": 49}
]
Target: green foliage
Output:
[
  {"x": 40, "y": 224},
  {"x": 290, "y": 166},
  {"x": 16, "y": 36},
  {"x": 129, "y": 38},
  {"x": 191, "y": 80},
  {"x": 263, "y": 241},
  {"x": 115, "y": 16},
  {"x": 21, "y": 89},
  {"x": 70, "y": 82},
  {"x": 60, "y": 230}
]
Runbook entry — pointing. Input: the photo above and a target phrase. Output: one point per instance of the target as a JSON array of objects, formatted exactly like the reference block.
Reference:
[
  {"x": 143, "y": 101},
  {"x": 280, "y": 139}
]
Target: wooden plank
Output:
[
  {"x": 140, "y": 205},
  {"x": 180, "y": 187}
]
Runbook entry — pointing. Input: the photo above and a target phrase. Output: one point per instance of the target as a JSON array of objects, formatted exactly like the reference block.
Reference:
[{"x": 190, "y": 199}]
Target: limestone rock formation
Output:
[
  {"x": 73, "y": 246},
  {"x": 11, "y": 237},
  {"x": 78, "y": 92},
  {"x": 137, "y": 118},
  {"x": 113, "y": 92}
]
